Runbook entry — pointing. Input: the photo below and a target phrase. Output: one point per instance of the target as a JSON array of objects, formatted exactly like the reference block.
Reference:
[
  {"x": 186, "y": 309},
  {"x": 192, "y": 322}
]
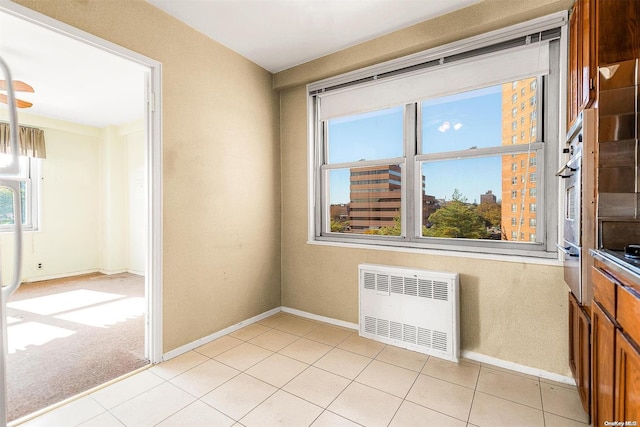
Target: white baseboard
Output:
[
  {"x": 319, "y": 318},
  {"x": 512, "y": 366},
  {"x": 58, "y": 276},
  {"x": 202, "y": 341},
  {"x": 472, "y": 355}
]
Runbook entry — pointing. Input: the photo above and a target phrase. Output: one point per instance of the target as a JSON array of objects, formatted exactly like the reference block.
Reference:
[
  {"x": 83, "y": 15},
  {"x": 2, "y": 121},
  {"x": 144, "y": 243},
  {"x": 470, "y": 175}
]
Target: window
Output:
[
  {"x": 532, "y": 161},
  {"x": 514, "y": 112},
  {"x": 532, "y": 86},
  {"x": 532, "y": 222},
  {"x": 27, "y": 178},
  {"x": 401, "y": 156},
  {"x": 532, "y": 101},
  {"x": 532, "y": 192},
  {"x": 532, "y": 207}
]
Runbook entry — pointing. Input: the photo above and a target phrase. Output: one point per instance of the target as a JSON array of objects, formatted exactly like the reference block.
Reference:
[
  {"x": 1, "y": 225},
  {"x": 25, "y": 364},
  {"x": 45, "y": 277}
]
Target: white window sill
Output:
[{"x": 444, "y": 252}]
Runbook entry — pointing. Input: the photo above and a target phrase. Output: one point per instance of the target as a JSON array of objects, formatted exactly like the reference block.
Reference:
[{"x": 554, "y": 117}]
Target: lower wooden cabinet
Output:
[
  {"x": 615, "y": 348},
  {"x": 579, "y": 350},
  {"x": 603, "y": 335},
  {"x": 627, "y": 380}
]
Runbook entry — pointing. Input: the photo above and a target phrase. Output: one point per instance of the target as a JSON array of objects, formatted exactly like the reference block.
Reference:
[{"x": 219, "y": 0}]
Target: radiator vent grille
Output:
[{"x": 415, "y": 309}]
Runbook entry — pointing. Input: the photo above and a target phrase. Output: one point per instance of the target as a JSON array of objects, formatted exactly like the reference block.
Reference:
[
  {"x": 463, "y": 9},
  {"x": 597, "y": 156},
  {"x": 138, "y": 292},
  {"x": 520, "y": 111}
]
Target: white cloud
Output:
[
  {"x": 457, "y": 126},
  {"x": 444, "y": 127}
]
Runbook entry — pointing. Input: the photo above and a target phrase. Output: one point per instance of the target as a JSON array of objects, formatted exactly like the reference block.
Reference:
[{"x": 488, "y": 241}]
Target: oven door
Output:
[
  {"x": 572, "y": 269},
  {"x": 571, "y": 246}
]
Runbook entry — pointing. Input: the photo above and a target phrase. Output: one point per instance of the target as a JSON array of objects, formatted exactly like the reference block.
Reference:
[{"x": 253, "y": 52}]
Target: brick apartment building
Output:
[{"x": 519, "y": 171}]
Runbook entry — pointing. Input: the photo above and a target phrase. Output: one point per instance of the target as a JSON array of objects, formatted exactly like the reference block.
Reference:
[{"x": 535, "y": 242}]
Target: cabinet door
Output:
[
  {"x": 572, "y": 102},
  {"x": 602, "y": 359},
  {"x": 579, "y": 350},
  {"x": 627, "y": 382},
  {"x": 588, "y": 52}
]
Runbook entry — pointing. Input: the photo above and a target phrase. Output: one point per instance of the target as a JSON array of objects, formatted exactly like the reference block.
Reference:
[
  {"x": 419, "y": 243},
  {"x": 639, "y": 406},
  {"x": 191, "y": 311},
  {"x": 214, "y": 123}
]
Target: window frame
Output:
[
  {"x": 547, "y": 91},
  {"x": 30, "y": 175}
]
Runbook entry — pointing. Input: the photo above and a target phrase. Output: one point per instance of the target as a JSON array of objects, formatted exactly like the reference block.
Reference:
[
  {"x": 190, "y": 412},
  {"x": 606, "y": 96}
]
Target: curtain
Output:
[{"x": 30, "y": 141}]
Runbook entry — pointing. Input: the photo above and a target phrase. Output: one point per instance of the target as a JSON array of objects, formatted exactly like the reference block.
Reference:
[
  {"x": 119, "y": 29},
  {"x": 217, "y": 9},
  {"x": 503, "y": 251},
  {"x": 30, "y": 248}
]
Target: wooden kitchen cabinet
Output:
[
  {"x": 579, "y": 350},
  {"x": 627, "y": 380},
  {"x": 615, "y": 346},
  {"x": 603, "y": 363},
  {"x": 600, "y": 32},
  {"x": 582, "y": 58}
]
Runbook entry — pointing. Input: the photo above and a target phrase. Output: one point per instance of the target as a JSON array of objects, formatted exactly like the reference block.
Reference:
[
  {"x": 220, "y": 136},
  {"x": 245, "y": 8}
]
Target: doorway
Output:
[{"x": 126, "y": 242}]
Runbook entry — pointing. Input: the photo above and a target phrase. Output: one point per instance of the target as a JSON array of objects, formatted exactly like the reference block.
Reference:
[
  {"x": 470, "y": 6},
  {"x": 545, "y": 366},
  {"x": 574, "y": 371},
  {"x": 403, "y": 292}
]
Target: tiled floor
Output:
[{"x": 290, "y": 371}]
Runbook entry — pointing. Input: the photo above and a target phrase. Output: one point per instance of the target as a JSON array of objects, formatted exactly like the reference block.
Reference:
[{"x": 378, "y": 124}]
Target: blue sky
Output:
[{"x": 457, "y": 122}]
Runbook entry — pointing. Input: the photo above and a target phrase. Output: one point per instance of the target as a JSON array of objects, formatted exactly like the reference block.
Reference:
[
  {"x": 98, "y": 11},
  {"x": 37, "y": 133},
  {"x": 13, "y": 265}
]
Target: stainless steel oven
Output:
[{"x": 573, "y": 209}]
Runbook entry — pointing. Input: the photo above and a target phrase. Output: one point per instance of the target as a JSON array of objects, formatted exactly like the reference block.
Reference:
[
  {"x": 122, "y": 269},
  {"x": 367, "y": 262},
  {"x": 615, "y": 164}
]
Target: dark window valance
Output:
[{"x": 30, "y": 141}]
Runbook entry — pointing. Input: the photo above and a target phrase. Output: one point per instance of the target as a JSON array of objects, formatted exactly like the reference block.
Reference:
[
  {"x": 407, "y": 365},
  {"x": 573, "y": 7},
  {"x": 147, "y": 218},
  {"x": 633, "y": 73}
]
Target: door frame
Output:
[{"x": 153, "y": 161}]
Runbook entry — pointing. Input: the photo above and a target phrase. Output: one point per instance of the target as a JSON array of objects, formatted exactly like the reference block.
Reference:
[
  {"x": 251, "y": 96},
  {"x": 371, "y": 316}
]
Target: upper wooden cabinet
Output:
[
  {"x": 582, "y": 58},
  {"x": 600, "y": 32}
]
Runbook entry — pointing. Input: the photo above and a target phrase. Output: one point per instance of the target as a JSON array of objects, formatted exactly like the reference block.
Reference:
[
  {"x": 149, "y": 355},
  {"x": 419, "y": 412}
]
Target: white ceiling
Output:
[
  {"x": 85, "y": 85},
  {"x": 279, "y": 34},
  {"x": 72, "y": 81}
]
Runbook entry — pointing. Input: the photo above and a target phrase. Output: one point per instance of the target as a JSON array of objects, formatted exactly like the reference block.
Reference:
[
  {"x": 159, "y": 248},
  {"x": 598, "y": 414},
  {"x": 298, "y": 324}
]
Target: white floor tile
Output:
[
  {"x": 198, "y": 414},
  {"x": 71, "y": 414},
  {"x": 124, "y": 390},
  {"x": 153, "y": 406},
  {"x": 204, "y": 377},
  {"x": 284, "y": 410},
  {"x": 238, "y": 396}
]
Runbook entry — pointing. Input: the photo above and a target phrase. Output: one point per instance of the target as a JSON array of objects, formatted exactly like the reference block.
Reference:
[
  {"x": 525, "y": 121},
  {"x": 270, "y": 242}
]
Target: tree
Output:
[
  {"x": 338, "y": 226},
  {"x": 491, "y": 213},
  {"x": 456, "y": 219}
]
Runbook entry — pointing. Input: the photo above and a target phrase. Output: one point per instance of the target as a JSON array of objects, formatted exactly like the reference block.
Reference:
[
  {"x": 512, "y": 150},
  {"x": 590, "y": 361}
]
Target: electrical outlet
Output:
[{"x": 39, "y": 266}]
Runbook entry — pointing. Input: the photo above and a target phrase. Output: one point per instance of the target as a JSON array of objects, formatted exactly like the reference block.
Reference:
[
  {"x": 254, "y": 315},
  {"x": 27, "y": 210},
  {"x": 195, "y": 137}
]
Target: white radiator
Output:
[{"x": 410, "y": 308}]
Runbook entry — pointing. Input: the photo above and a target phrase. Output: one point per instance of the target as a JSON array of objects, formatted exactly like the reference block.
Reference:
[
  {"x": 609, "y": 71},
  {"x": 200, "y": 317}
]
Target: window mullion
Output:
[{"x": 410, "y": 194}]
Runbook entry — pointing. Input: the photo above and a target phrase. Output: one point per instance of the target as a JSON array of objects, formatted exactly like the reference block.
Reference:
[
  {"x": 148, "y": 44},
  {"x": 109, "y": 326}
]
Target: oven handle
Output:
[
  {"x": 565, "y": 250},
  {"x": 565, "y": 167}
]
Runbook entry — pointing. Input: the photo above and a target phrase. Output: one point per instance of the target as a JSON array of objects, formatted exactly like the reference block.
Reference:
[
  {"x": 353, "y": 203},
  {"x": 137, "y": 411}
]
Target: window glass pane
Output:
[
  {"x": 468, "y": 199},
  {"x": 475, "y": 119},
  {"x": 369, "y": 136},
  {"x": 6, "y": 204},
  {"x": 366, "y": 200}
]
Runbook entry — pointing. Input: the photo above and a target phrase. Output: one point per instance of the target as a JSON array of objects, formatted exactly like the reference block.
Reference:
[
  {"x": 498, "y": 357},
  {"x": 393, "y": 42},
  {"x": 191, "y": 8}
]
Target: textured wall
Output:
[
  {"x": 509, "y": 310},
  {"x": 221, "y": 171}
]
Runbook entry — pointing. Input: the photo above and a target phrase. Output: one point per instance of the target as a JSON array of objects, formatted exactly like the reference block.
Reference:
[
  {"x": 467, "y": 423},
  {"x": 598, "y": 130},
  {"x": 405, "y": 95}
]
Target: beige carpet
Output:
[{"x": 69, "y": 335}]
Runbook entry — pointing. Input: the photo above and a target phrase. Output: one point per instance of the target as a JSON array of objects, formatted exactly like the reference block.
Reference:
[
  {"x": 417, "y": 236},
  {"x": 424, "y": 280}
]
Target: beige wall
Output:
[
  {"x": 509, "y": 310},
  {"x": 221, "y": 172},
  {"x": 87, "y": 202}
]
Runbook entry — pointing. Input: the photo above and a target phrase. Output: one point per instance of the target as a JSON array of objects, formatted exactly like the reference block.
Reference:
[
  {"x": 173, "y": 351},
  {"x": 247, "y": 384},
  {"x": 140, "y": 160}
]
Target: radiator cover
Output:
[{"x": 411, "y": 308}]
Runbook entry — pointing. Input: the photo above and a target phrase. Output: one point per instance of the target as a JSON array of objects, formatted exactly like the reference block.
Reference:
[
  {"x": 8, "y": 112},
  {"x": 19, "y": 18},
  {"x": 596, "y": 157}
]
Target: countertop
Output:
[{"x": 617, "y": 260}]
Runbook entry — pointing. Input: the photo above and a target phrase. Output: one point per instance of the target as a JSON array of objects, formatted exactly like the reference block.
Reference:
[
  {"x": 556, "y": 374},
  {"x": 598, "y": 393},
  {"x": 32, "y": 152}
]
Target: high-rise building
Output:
[
  {"x": 519, "y": 171},
  {"x": 488, "y": 197},
  {"x": 376, "y": 196}
]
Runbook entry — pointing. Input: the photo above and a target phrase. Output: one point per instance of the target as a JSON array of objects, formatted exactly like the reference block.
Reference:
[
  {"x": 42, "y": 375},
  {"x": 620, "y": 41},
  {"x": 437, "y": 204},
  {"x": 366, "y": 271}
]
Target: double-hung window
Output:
[
  {"x": 419, "y": 152},
  {"x": 28, "y": 180}
]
